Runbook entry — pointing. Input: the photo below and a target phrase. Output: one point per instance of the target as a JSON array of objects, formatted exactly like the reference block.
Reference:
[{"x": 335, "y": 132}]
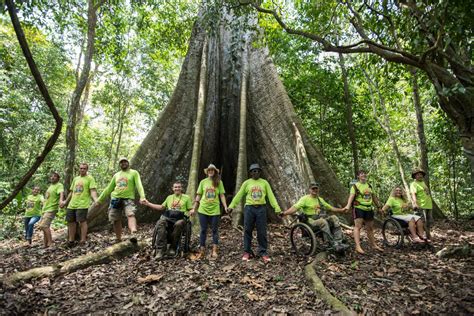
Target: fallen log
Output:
[
  {"x": 109, "y": 254},
  {"x": 462, "y": 251},
  {"x": 320, "y": 290}
]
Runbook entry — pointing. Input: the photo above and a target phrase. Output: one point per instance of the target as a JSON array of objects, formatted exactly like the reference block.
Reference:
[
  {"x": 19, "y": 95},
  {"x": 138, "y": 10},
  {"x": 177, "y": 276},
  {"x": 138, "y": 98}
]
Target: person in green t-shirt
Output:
[
  {"x": 209, "y": 192},
  {"x": 398, "y": 203},
  {"x": 54, "y": 197},
  {"x": 177, "y": 205},
  {"x": 314, "y": 207},
  {"x": 255, "y": 190},
  {"x": 83, "y": 189},
  {"x": 122, "y": 192},
  {"x": 34, "y": 203},
  {"x": 421, "y": 197},
  {"x": 362, "y": 201}
]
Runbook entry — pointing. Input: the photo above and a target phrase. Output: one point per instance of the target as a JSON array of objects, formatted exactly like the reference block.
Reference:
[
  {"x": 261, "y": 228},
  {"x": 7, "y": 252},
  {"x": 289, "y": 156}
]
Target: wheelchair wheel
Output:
[
  {"x": 303, "y": 240},
  {"x": 392, "y": 233},
  {"x": 154, "y": 239}
]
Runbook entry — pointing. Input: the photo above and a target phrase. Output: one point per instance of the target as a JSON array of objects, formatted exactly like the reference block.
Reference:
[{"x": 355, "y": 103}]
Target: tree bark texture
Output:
[
  {"x": 75, "y": 104},
  {"x": 274, "y": 135},
  {"x": 47, "y": 98}
]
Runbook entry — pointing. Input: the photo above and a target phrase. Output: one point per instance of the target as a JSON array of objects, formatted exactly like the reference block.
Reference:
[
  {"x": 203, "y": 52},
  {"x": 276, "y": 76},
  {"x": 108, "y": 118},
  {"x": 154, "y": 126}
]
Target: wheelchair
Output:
[
  {"x": 306, "y": 242},
  {"x": 394, "y": 232},
  {"x": 183, "y": 246}
]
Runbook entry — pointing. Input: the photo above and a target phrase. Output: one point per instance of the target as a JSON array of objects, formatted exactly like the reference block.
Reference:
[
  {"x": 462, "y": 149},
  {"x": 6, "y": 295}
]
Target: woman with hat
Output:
[
  {"x": 209, "y": 192},
  {"x": 422, "y": 199}
]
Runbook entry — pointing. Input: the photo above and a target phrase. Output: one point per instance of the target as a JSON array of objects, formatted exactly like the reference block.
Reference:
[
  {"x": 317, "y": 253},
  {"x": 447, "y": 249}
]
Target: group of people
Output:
[{"x": 207, "y": 204}]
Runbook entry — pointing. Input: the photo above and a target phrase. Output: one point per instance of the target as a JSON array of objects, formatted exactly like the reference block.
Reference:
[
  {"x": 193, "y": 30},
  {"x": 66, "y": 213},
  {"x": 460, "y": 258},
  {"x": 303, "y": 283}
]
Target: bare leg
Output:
[
  {"x": 370, "y": 235},
  {"x": 83, "y": 231},
  {"x": 412, "y": 229},
  {"x": 71, "y": 230},
  {"x": 357, "y": 227},
  {"x": 420, "y": 228},
  {"x": 118, "y": 230},
  {"x": 132, "y": 224},
  {"x": 48, "y": 238}
]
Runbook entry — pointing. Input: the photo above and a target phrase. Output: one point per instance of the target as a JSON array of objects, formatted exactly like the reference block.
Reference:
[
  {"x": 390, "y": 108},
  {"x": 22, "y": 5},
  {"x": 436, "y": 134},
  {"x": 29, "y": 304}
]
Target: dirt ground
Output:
[{"x": 411, "y": 280}]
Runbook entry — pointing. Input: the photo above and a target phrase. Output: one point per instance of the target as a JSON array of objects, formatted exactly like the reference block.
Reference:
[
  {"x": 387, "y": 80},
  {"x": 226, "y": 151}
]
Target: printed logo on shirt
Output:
[
  {"x": 30, "y": 204},
  {"x": 367, "y": 195},
  {"x": 210, "y": 194},
  {"x": 79, "y": 188},
  {"x": 176, "y": 204},
  {"x": 317, "y": 208},
  {"x": 122, "y": 183},
  {"x": 256, "y": 193}
]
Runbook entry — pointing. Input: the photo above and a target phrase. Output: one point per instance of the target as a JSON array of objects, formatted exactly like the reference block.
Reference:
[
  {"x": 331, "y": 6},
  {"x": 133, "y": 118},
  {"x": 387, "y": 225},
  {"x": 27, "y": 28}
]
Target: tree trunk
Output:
[
  {"x": 75, "y": 104},
  {"x": 271, "y": 129},
  {"x": 106, "y": 255},
  {"x": 349, "y": 114}
]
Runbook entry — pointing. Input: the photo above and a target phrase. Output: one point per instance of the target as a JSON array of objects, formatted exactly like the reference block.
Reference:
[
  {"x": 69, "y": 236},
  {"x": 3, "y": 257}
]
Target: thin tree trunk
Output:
[
  {"x": 385, "y": 124},
  {"x": 121, "y": 122},
  {"x": 75, "y": 104},
  {"x": 49, "y": 102},
  {"x": 349, "y": 114}
]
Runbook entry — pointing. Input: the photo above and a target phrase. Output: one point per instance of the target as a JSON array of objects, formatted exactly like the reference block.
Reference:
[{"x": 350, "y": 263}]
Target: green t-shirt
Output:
[
  {"x": 398, "y": 205},
  {"x": 311, "y": 205},
  {"x": 182, "y": 202},
  {"x": 81, "y": 192},
  {"x": 422, "y": 193},
  {"x": 52, "y": 197},
  {"x": 255, "y": 192},
  {"x": 364, "y": 197},
  {"x": 123, "y": 186},
  {"x": 209, "y": 203},
  {"x": 33, "y": 205}
]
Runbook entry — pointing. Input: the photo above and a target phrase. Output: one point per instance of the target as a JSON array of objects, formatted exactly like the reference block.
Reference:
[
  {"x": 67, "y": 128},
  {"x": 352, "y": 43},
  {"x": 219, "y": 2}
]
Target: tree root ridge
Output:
[{"x": 320, "y": 290}]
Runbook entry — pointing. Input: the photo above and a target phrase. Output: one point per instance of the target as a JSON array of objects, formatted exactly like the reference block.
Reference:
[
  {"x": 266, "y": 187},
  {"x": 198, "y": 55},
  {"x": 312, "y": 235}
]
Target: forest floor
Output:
[{"x": 397, "y": 281}]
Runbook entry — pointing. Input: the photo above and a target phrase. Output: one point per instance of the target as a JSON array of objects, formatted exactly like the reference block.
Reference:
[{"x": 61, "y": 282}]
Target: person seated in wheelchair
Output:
[
  {"x": 314, "y": 214},
  {"x": 172, "y": 221},
  {"x": 399, "y": 208}
]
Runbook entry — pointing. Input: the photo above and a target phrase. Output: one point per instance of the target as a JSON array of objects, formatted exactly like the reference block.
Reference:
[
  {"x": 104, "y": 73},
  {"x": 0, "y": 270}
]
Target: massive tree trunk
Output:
[{"x": 275, "y": 137}]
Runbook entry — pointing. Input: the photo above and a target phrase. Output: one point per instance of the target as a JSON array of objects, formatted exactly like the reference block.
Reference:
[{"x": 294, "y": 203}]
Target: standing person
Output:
[
  {"x": 422, "y": 199},
  {"x": 54, "y": 197},
  {"x": 34, "y": 202},
  {"x": 83, "y": 188},
  {"x": 398, "y": 203},
  {"x": 122, "y": 191},
  {"x": 177, "y": 205},
  {"x": 314, "y": 207},
  {"x": 362, "y": 201},
  {"x": 209, "y": 191},
  {"x": 255, "y": 190}
]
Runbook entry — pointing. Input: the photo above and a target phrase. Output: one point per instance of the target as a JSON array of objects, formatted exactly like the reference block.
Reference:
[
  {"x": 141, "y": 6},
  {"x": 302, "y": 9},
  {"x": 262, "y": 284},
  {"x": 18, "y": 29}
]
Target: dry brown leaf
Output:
[
  {"x": 393, "y": 270},
  {"x": 379, "y": 273},
  {"x": 252, "y": 296},
  {"x": 150, "y": 278}
]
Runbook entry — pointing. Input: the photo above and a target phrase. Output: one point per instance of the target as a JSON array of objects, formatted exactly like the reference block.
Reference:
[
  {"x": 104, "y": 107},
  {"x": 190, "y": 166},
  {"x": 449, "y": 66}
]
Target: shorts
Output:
[
  {"x": 127, "y": 207},
  {"x": 406, "y": 218},
  {"x": 76, "y": 215},
  {"x": 46, "y": 219},
  {"x": 365, "y": 215}
]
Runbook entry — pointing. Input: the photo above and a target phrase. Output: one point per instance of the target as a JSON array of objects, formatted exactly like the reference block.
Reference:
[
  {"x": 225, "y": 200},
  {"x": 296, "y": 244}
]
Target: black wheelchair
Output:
[
  {"x": 306, "y": 242},
  {"x": 183, "y": 246},
  {"x": 395, "y": 232}
]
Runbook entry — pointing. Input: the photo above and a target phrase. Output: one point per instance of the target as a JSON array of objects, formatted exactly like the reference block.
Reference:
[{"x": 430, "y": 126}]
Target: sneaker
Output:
[
  {"x": 266, "y": 259},
  {"x": 246, "y": 256},
  {"x": 172, "y": 252},
  {"x": 133, "y": 237},
  {"x": 159, "y": 255}
]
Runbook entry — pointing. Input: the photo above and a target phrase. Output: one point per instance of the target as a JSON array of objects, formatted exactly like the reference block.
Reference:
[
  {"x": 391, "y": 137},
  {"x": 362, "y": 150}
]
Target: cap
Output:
[
  {"x": 314, "y": 185},
  {"x": 122, "y": 159},
  {"x": 254, "y": 166}
]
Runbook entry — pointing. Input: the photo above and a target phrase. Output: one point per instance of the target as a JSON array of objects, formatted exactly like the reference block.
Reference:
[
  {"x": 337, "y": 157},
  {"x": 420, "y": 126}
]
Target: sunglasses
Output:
[{"x": 255, "y": 171}]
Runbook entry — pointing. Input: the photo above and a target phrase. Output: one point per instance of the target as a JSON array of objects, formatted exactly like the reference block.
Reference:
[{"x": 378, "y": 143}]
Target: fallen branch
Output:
[
  {"x": 320, "y": 290},
  {"x": 463, "y": 251},
  {"x": 346, "y": 226},
  {"x": 109, "y": 254}
]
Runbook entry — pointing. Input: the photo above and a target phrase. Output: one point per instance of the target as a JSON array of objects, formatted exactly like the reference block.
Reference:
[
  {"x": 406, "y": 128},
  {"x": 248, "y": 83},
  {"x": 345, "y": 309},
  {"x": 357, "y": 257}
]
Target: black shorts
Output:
[
  {"x": 77, "y": 215},
  {"x": 365, "y": 215}
]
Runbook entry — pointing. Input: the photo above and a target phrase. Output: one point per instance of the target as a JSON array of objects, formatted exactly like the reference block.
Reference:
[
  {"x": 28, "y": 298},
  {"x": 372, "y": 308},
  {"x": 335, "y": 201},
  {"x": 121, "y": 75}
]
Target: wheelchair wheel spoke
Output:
[
  {"x": 392, "y": 233},
  {"x": 302, "y": 239}
]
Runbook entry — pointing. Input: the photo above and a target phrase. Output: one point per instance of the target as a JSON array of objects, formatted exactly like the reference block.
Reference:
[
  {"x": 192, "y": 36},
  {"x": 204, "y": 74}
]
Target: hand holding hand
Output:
[
  {"x": 191, "y": 212},
  {"x": 144, "y": 201}
]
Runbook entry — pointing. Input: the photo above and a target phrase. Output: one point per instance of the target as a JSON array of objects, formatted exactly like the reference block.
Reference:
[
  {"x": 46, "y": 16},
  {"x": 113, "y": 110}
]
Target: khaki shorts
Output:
[
  {"x": 46, "y": 219},
  {"x": 127, "y": 208}
]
